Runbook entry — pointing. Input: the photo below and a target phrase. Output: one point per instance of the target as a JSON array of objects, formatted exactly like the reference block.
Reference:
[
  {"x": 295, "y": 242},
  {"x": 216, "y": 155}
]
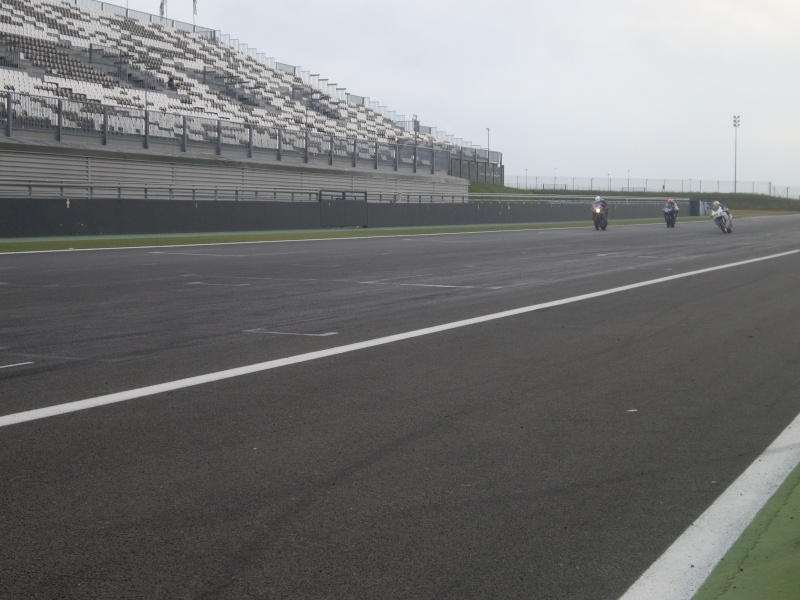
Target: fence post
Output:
[
  {"x": 60, "y": 130},
  {"x": 280, "y": 144},
  {"x": 396, "y": 157},
  {"x": 105, "y": 126},
  {"x": 219, "y": 137},
  {"x": 8, "y": 114},
  {"x": 185, "y": 136},
  {"x": 146, "y": 130},
  {"x": 305, "y": 158},
  {"x": 330, "y": 160},
  {"x": 250, "y": 140},
  {"x": 376, "y": 156},
  {"x": 355, "y": 153}
]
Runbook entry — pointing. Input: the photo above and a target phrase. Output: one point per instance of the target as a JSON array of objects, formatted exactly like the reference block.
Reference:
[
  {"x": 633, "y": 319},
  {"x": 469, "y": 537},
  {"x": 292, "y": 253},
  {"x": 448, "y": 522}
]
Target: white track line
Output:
[
  {"x": 685, "y": 566},
  {"x": 22, "y": 364},
  {"x": 330, "y": 333},
  {"x": 69, "y": 407}
]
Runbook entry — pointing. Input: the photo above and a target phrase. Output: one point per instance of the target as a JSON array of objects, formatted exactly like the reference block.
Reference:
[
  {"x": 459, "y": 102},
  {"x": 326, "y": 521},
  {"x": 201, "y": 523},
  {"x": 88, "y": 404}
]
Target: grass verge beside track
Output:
[
  {"x": 44, "y": 244},
  {"x": 187, "y": 239},
  {"x": 764, "y": 561}
]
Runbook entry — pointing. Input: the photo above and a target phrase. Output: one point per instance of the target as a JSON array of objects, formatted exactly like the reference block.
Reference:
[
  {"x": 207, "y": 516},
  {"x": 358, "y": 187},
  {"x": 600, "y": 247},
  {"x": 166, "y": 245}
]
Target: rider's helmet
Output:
[
  {"x": 716, "y": 203},
  {"x": 598, "y": 199},
  {"x": 670, "y": 201}
]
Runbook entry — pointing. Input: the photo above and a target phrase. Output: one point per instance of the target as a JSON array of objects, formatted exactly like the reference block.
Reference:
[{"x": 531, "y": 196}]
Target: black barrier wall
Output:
[{"x": 41, "y": 218}]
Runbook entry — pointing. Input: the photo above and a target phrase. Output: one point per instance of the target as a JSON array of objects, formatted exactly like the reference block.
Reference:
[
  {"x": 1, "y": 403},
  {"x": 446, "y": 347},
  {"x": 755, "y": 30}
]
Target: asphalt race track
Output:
[{"x": 554, "y": 453}]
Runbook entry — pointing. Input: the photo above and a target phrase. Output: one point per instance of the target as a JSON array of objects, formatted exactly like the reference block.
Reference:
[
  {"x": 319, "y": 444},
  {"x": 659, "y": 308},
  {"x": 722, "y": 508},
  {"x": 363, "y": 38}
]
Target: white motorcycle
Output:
[{"x": 723, "y": 219}]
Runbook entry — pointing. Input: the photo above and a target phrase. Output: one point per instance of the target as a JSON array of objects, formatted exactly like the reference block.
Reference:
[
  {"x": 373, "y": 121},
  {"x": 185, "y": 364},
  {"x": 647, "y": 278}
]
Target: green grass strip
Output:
[
  {"x": 175, "y": 239},
  {"x": 765, "y": 561}
]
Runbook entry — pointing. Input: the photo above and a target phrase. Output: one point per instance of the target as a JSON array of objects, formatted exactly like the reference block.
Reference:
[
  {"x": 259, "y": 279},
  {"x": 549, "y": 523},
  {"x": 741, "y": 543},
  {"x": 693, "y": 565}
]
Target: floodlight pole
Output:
[
  {"x": 416, "y": 131},
  {"x": 488, "y": 160},
  {"x": 735, "y": 148}
]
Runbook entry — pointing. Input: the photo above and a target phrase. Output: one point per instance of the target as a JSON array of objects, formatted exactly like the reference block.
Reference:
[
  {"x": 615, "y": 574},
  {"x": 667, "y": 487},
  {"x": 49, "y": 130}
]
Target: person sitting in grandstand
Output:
[{"x": 172, "y": 84}]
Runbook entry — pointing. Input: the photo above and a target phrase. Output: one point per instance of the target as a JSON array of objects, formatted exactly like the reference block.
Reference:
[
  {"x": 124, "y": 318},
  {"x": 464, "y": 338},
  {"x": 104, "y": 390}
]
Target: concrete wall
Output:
[{"x": 26, "y": 217}]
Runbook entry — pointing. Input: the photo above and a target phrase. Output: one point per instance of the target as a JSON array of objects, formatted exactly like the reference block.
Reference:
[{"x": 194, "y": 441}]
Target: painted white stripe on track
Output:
[
  {"x": 687, "y": 563},
  {"x": 69, "y": 407},
  {"x": 22, "y": 364}
]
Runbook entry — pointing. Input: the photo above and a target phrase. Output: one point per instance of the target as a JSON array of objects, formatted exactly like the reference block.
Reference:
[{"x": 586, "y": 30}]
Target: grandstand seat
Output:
[{"x": 55, "y": 37}]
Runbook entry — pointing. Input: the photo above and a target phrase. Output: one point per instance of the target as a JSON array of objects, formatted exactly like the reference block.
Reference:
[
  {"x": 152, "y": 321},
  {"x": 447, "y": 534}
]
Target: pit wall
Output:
[{"x": 33, "y": 217}]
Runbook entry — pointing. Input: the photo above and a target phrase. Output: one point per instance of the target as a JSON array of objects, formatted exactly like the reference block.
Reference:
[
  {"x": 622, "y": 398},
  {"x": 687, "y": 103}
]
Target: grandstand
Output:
[{"x": 88, "y": 67}]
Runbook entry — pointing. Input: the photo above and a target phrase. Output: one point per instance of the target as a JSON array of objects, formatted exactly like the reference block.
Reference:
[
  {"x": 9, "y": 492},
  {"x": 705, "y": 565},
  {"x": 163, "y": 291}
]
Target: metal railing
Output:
[
  {"x": 569, "y": 199},
  {"x": 137, "y": 190},
  {"x": 58, "y": 119},
  {"x": 83, "y": 190},
  {"x": 607, "y": 184}
]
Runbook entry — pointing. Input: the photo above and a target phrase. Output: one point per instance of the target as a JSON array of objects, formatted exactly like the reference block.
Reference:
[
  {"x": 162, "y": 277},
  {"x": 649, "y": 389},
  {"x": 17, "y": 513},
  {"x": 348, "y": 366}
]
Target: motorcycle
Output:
[
  {"x": 723, "y": 219},
  {"x": 599, "y": 216},
  {"x": 670, "y": 216}
]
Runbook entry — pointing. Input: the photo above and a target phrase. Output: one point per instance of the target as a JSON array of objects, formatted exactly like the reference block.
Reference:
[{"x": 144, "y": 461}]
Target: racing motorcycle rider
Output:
[
  {"x": 718, "y": 204},
  {"x": 671, "y": 208},
  {"x": 602, "y": 202},
  {"x": 600, "y": 213},
  {"x": 671, "y": 205}
]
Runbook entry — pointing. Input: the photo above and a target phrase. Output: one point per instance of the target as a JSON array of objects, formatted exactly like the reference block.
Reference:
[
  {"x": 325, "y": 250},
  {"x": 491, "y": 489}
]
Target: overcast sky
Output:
[{"x": 581, "y": 88}]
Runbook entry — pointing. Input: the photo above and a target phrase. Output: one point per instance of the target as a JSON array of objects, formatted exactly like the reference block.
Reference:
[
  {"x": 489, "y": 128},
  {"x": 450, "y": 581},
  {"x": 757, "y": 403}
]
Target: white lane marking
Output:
[
  {"x": 249, "y": 278},
  {"x": 438, "y": 285},
  {"x": 69, "y": 407},
  {"x": 394, "y": 279},
  {"x": 397, "y": 281},
  {"x": 202, "y": 254},
  {"x": 217, "y": 284},
  {"x": 290, "y": 333},
  {"x": 435, "y": 285},
  {"x": 22, "y": 364},
  {"x": 688, "y": 562}
]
